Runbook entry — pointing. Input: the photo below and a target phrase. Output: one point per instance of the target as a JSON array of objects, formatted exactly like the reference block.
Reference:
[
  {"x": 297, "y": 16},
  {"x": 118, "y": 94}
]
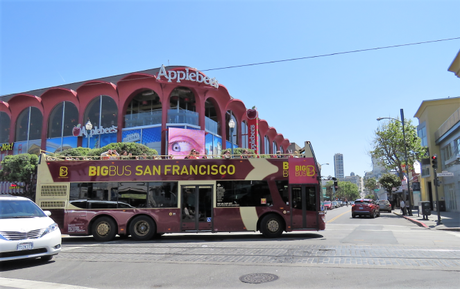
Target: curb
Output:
[{"x": 421, "y": 224}]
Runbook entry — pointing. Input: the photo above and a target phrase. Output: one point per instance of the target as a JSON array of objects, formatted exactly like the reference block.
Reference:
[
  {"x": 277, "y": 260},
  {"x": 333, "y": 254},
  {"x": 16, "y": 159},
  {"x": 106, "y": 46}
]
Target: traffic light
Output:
[
  {"x": 434, "y": 162},
  {"x": 336, "y": 186}
]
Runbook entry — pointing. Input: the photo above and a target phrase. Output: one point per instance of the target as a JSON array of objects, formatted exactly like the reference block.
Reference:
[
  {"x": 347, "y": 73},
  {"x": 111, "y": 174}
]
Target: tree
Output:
[
  {"x": 370, "y": 184},
  {"x": 389, "y": 181},
  {"x": 21, "y": 168},
  {"x": 347, "y": 190},
  {"x": 389, "y": 145}
]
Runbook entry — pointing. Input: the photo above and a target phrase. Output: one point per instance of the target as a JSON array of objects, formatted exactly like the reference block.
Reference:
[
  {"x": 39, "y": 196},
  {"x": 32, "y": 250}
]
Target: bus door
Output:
[
  {"x": 304, "y": 206},
  {"x": 196, "y": 207}
]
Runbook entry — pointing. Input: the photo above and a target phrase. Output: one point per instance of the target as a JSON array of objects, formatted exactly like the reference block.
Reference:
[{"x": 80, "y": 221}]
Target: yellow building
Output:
[{"x": 439, "y": 130}]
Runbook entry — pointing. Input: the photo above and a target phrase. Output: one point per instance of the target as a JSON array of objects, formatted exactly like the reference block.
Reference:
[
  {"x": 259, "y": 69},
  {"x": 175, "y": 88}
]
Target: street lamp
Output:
[
  {"x": 231, "y": 125},
  {"x": 405, "y": 155},
  {"x": 89, "y": 127}
]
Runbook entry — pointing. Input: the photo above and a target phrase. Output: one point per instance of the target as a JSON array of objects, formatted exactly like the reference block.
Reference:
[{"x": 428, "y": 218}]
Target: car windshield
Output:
[
  {"x": 327, "y": 202},
  {"x": 361, "y": 202},
  {"x": 10, "y": 209}
]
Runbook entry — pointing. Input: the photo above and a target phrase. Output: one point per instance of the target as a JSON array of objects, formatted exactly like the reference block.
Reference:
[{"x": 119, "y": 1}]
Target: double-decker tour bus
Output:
[{"x": 145, "y": 198}]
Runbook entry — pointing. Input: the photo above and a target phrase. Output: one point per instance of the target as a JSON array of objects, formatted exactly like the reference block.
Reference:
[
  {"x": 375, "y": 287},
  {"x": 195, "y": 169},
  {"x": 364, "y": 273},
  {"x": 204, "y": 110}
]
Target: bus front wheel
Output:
[
  {"x": 142, "y": 228},
  {"x": 104, "y": 229},
  {"x": 271, "y": 226}
]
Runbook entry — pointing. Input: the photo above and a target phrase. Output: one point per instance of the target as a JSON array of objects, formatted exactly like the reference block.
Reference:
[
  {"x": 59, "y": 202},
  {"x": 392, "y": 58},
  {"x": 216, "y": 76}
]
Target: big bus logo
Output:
[
  {"x": 63, "y": 171},
  {"x": 304, "y": 171}
]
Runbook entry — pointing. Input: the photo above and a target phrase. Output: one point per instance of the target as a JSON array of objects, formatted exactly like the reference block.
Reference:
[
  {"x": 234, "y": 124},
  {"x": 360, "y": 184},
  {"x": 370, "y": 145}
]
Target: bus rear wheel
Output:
[
  {"x": 271, "y": 226},
  {"x": 142, "y": 228},
  {"x": 104, "y": 229}
]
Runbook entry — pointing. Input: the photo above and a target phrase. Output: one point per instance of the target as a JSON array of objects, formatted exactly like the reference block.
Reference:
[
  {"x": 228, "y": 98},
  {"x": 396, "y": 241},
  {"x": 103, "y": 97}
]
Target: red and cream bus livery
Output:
[{"x": 144, "y": 198}]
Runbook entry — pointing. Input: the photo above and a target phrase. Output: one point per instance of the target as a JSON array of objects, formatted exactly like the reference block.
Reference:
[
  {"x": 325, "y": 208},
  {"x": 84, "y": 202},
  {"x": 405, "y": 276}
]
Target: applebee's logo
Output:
[
  {"x": 178, "y": 75},
  {"x": 63, "y": 171}
]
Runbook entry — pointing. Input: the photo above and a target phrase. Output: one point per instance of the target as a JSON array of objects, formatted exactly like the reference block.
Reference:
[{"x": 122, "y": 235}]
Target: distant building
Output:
[
  {"x": 338, "y": 166},
  {"x": 355, "y": 179}
]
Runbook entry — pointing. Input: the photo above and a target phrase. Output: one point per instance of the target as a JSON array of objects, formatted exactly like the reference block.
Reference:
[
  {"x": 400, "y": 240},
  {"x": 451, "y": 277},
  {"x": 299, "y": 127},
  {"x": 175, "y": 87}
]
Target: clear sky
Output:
[{"x": 332, "y": 101}]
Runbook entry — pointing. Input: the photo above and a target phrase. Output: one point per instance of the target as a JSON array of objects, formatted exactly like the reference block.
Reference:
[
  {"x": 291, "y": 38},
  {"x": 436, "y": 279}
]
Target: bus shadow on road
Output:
[{"x": 198, "y": 238}]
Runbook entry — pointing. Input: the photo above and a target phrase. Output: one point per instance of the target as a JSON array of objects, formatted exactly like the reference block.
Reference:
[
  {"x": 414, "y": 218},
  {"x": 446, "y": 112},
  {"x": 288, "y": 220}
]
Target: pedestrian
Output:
[
  {"x": 408, "y": 209},
  {"x": 227, "y": 155},
  {"x": 402, "y": 205}
]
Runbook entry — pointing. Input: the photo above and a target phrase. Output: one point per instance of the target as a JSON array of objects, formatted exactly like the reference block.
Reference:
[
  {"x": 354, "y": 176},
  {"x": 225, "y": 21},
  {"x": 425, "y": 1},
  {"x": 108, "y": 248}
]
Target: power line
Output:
[{"x": 331, "y": 54}]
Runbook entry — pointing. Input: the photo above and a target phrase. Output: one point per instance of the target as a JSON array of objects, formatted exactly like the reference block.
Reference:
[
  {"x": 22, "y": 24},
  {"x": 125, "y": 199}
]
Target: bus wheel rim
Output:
[
  {"x": 273, "y": 226},
  {"x": 142, "y": 228},
  {"x": 103, "y": 229}
]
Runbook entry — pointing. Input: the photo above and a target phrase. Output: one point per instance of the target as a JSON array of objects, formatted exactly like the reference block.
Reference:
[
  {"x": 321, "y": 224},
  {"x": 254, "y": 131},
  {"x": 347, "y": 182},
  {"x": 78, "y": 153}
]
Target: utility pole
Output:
[{"x": 407, "y": 164}]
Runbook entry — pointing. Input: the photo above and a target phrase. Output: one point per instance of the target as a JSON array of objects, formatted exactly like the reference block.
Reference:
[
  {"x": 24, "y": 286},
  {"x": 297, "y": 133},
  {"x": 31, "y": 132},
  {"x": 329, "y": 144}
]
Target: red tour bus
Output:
[{"x": 147, "y": 198}]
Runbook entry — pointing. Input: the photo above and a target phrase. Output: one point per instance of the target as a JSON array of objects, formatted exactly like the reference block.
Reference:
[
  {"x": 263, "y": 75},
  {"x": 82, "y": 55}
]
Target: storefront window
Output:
[{"x": 4, "y": 127}]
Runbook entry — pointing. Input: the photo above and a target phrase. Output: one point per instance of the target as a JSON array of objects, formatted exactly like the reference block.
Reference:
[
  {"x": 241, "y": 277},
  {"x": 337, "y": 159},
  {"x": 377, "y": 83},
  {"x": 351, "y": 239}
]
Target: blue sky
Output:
[{"x": 331, "y": 101}]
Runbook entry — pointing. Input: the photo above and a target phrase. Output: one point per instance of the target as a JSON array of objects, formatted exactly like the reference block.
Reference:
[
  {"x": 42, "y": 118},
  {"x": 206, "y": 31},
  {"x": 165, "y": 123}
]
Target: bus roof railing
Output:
[{"x": 49, "y": 156}]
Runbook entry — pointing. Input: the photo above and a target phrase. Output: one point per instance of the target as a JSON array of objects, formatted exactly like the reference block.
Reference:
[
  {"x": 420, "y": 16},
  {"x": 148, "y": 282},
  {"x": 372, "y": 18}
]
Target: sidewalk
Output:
[{"x": 449, "y": 220}]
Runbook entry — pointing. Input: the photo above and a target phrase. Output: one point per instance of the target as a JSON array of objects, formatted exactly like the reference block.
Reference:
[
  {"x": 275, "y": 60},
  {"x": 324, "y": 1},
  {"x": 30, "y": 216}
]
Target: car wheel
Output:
[
  {"x": 353, "y": 216},
  {"x": 271, "y": 226},
  {"x": 142, "y": 228},
  {"x": 104, "y": 229}
]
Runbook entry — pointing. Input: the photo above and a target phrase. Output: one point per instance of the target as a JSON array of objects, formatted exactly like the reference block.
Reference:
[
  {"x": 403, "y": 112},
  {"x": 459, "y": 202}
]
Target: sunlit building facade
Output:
[{"x": 134, "y": 107}]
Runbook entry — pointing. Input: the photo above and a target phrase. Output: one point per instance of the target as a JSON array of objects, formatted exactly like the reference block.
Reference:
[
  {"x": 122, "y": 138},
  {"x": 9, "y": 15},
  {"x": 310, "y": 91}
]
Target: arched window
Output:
[
  {"x": 275, "y": 147},
  {"x": 210, "y": 118},
  {"x": 63, "y": 118},
  {"x": 5, "y": 122},
  {"x": 244, "y": 135},
  {"x": 182, "y": 107},
  {"x": 266, "y": 145},
  {"x": 102, "y": 112},
  {"x": 29, "y": 124},
  {"x": 231, "y": 133},
  {"x": 144, "y": 109}
]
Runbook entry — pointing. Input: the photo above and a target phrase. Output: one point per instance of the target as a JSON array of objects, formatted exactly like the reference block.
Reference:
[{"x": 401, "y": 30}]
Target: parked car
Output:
[
  {"x": 365, "y": 207},
  {"x": 384, "y": 205},
  {"x": 26, "y": 231},
  {"x": 328, "y": 205},
  {"x": 335, "y": 204}
]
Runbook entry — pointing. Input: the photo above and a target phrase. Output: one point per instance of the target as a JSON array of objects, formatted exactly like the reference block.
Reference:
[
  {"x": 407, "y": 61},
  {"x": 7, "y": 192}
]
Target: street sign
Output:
[{"x": 445, "y": 174}]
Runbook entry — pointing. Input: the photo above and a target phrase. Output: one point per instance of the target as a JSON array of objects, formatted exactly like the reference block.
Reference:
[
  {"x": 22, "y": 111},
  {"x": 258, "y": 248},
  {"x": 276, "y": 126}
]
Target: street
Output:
[{"x": 388, "y": 251}]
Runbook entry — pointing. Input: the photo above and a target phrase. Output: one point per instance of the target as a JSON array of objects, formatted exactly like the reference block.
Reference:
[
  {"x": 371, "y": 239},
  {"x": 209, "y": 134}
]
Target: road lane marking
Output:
[
  {"x": 27, "y": 284},
  {"x": 333, "y": 219}
]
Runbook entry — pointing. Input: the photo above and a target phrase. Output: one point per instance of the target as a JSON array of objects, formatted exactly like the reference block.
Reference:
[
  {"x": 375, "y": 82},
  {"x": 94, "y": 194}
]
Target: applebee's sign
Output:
[
  {"x": 253, "y": 126},
  {"x": 179, "y": 75},
  {"x": 80, "y": 130}
]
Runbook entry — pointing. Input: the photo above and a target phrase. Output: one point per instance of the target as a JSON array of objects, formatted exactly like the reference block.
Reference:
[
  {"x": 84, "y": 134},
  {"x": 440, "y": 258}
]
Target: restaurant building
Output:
[{"x": 135, "y": 107}]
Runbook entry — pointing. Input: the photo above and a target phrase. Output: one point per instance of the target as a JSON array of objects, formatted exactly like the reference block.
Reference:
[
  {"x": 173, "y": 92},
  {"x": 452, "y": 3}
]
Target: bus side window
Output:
[{"x": 311, "y": 199}]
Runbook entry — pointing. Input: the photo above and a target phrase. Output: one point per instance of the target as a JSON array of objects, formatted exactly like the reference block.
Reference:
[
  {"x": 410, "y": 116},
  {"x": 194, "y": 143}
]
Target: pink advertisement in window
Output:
[{"x": 182, "y": 141}]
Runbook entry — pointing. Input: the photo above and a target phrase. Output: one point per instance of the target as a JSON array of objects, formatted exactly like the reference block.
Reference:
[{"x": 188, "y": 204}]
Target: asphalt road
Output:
[{"x": 388, "y": 251}]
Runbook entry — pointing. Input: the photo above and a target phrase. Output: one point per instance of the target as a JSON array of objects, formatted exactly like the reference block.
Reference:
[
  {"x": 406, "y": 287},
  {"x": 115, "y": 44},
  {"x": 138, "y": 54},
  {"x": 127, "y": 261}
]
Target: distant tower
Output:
[{"x": 338, "y": 166}]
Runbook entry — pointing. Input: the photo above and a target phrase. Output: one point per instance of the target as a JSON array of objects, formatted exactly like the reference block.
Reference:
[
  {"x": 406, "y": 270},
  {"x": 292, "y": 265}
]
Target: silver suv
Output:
[{"x": 384, "y": 205}]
